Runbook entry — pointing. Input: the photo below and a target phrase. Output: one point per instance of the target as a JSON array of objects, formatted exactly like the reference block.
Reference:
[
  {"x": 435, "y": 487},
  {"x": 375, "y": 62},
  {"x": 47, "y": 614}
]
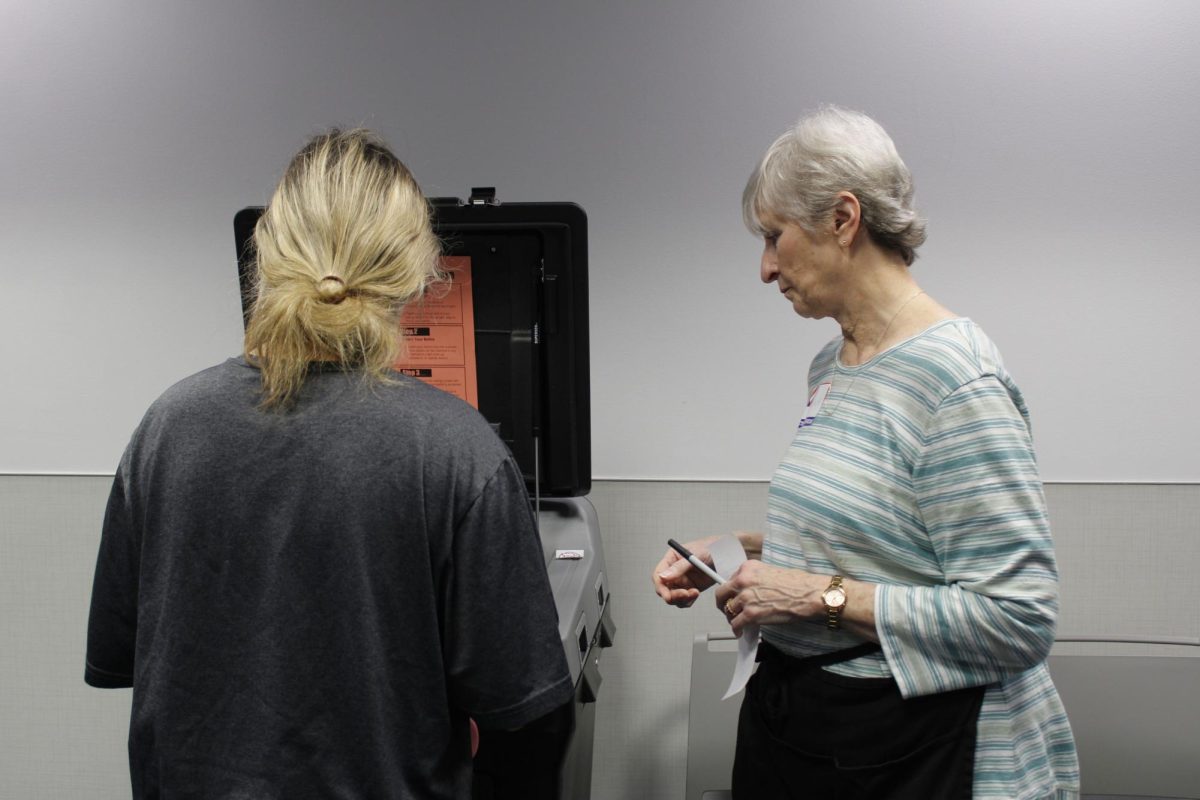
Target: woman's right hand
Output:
[{"x": 676, "y": 581}]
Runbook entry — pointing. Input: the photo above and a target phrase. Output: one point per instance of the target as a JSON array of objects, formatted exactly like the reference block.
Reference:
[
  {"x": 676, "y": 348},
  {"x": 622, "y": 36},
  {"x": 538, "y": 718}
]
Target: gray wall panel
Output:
[
  {"x": 1124, "y": 553},
  {"x": 1128, "y": 557},
  {"x": 59, "y": 738}
]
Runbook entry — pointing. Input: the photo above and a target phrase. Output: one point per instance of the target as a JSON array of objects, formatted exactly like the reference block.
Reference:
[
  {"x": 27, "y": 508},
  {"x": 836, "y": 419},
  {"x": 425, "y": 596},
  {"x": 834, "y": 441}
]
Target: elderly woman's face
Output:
[{"x": 802, "y": 264}]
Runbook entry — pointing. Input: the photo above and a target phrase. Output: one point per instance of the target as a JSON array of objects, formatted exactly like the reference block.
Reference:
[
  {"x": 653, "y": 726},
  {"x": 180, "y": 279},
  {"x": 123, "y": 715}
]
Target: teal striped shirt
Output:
[{"x": 917, "y": 473}]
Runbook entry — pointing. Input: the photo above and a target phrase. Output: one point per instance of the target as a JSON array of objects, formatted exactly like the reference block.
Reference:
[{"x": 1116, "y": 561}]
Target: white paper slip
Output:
[{"x": 727, "y": 554}]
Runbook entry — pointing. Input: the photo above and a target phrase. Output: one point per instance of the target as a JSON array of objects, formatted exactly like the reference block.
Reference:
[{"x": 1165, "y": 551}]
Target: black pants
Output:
[{"x": 806, "y": 732}]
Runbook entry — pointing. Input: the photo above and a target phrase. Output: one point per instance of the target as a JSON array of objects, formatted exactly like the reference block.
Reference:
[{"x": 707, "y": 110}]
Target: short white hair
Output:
[{"x": 833, "y": 150}]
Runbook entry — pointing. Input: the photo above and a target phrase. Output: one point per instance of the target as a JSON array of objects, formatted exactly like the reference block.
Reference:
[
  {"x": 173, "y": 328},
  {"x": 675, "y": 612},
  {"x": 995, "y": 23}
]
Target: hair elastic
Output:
[{"x": 335, "y": 296}]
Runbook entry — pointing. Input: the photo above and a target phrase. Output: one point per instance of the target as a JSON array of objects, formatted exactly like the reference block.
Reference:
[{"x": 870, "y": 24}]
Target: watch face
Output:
[{"x": 834, "y": 598}]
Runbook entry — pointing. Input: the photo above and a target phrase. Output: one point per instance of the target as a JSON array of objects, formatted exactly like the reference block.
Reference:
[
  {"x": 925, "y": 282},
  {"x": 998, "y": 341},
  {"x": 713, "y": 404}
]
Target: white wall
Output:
[{"x": 1054, "y": 146}]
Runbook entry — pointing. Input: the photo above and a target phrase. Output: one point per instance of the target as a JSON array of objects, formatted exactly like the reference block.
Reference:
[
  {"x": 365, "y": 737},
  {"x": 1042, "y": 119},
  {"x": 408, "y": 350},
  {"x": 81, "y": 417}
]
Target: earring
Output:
[{"x": 845, "y": 243}]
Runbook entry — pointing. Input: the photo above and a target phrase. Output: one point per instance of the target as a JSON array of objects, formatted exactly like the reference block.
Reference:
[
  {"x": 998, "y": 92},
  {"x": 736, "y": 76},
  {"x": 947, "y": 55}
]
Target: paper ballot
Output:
[{"x": 727, "y": 554}]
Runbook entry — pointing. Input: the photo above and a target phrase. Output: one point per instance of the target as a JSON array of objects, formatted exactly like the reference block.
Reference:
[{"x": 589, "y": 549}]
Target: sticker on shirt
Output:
[{"x": 814, "y": 404}]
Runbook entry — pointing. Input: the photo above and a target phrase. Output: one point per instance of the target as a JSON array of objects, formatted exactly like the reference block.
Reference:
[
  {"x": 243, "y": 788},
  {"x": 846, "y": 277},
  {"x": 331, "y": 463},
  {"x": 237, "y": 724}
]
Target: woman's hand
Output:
[
  {"x": 678, "y": 582},
  {"x": 758, "y": 594}
]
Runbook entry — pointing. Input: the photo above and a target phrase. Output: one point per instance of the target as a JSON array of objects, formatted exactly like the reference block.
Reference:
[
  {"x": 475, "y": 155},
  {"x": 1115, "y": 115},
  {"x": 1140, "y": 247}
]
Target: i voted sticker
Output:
[{"x": 814, "y": 404}]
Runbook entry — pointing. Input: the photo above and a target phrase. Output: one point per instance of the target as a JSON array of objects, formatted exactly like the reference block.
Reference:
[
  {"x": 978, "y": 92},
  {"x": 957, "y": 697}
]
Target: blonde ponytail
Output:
[{"x": 344, "y": 244}]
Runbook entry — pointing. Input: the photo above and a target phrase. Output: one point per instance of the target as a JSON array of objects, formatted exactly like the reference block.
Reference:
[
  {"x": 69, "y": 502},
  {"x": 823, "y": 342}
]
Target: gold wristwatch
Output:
[{"x": 834, "y": 597}]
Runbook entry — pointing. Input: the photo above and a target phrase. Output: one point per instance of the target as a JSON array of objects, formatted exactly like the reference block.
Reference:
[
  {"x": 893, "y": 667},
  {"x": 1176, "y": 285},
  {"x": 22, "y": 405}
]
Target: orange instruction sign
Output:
[{"x": 439, "y": 334}]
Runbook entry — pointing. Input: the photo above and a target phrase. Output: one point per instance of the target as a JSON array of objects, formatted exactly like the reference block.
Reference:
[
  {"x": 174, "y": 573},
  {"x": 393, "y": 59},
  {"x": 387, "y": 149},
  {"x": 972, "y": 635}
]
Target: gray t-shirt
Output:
[{"x": 311, "y": 603}]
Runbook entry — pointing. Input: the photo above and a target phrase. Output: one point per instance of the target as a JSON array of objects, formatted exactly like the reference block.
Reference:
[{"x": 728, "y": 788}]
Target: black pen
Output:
[{"x": 695, "y": 562}]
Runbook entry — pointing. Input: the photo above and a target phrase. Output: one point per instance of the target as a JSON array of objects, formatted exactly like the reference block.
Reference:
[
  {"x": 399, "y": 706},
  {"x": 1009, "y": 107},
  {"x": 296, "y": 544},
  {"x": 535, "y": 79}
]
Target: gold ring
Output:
[{"x": 729, "y": 610}]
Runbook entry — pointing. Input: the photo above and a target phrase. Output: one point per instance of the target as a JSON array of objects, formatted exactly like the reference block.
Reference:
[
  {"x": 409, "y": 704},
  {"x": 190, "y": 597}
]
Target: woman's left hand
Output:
[{"x": 758, "y": 594}]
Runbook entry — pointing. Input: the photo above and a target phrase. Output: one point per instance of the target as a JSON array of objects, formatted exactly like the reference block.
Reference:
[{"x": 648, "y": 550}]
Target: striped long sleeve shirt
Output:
[{"x": 916, "y": 471}]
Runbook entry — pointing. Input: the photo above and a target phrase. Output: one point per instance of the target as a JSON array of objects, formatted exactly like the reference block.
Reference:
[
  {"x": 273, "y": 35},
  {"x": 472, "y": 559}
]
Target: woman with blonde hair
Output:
[{"x": 313, "y": 570}]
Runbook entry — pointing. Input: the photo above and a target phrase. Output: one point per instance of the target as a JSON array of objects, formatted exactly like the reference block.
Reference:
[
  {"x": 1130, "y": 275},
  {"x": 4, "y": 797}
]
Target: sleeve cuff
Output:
[
  {"x": 103, "y": 679},
  {"x": 529, "y": 709}
]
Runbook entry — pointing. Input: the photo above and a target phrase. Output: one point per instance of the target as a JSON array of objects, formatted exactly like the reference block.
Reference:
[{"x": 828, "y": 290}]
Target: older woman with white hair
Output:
[{"x": 906, "y": 585}]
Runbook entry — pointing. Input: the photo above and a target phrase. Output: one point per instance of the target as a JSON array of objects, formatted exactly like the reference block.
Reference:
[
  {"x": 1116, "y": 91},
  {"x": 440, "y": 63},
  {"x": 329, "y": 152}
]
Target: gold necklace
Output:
[
  {"x": 888, "y": 327},
  {"x": 875, "y": 347}
]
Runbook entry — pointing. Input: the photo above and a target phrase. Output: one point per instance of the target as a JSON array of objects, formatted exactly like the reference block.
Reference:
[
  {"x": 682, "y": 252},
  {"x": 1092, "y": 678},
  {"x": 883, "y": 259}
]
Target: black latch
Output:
[
  {"x": 608, "y": 628},
  {"x": 590, "y": 679},
  {"x": 483, "y": 196}
]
